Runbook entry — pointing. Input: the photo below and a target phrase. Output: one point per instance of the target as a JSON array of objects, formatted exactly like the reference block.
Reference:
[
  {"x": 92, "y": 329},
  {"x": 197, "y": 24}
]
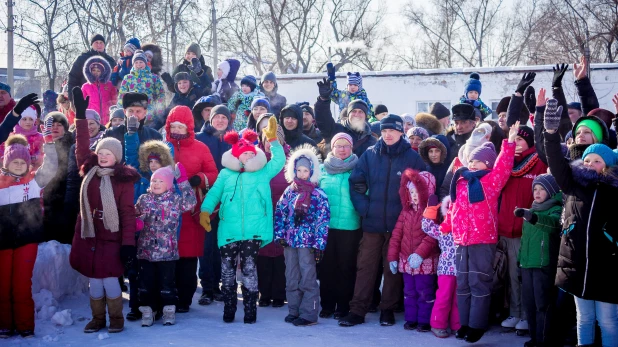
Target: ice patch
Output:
[
  {"x": 52, "y": 272},
  {"x": 48, "y": 338}
]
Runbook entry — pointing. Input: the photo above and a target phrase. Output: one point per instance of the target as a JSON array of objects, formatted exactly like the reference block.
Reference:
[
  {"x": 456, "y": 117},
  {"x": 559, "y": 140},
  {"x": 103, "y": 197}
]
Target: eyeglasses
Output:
[{"x": 343, "y": 147}]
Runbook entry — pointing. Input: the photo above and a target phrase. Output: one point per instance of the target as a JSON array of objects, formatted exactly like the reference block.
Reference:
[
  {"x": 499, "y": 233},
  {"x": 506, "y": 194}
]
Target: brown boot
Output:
[
  {"x": 98, "y": 316},
  {"x": 116, "y": 319}
]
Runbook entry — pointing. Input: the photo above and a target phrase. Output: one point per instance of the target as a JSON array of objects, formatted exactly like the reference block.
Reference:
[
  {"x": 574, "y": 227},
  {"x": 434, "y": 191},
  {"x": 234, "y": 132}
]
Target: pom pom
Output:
[
  {"x": 250, "y": 136},
  {"x": 475, "y": 76},
  {"x": 16, "y": 139},
  {"x": 231, "y": 137}
]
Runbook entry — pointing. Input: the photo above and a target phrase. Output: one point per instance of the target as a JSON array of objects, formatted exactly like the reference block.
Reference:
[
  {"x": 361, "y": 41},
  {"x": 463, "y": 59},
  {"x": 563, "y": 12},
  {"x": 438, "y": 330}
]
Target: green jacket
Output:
[
  {"x": 246, "y": 211},
  {"x": 343, "y": 216},
  {"x": 540, "y": 242}
]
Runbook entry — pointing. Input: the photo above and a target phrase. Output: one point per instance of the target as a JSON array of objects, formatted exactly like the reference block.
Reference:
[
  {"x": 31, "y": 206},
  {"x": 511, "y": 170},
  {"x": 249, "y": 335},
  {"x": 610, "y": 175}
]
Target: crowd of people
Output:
[{"x": 453, "y": 218}]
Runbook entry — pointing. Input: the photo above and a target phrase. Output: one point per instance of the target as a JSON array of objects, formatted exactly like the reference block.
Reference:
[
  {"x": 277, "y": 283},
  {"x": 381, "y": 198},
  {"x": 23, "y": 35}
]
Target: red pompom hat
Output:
[{"x": 241, "y": 145}]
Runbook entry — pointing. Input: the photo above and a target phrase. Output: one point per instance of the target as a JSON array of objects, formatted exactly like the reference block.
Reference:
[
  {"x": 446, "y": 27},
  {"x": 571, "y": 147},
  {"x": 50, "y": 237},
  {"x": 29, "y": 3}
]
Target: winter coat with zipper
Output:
[
  {"x": 277, "y": 101},
  {"x": 588, "y": 248},
  {"x": 379, "y": 169},
  {"x": 214, "y": 142},
  {"x": 76, "y": 75},
  {"x": 328, "y": 128},
  {"x": 246, "y": 211},
  {"x": 101, "y": 91},
  {"x": 540, "y": 241},
  {"x": 21, "y": 216},
  {"x": 240, "y": 104},
  {"x": 517, "y": 192},
  {"x": 343, "y": 216},
  {"x": 197, "y": 160},
  {"x": 477, "y": 223},
  {"x": 408, "y": 236},
  {"x": 144, "y": 81},
  {"x": 122, "y": 68},
  {"x": 99, "y": 256},
  {"x": 158, "y": 240},
  {"x": 295, "y": 138}
]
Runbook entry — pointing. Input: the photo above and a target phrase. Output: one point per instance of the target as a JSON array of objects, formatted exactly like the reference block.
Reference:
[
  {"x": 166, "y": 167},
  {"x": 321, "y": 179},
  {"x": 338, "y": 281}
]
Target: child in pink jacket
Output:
[
  {"x": 472, "y": 218},
  {"x": 101, "y": 91}
]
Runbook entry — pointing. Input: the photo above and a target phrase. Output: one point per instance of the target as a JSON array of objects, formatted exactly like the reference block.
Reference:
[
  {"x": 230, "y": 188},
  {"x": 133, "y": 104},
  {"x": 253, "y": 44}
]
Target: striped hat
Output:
[
  {"x": 355, "y": 79},
  {"x": 548, "y": 182}
]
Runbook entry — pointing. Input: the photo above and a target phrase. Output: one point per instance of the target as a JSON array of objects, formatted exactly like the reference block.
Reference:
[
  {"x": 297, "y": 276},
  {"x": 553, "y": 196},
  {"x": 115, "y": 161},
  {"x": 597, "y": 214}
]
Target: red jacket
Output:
[
  {"x": 197, "y": 160},
  {"x": 99, "y": 256},
  {"x": 518, "y": 192}
]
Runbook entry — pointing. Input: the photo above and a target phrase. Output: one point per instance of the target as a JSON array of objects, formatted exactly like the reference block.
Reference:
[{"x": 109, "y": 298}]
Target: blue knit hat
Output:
[
  {"x": 575, "y": 105},
  {"x": 250, "y": 81},
  {"x": 355, "y": 78},
  {"x": 609, "y": 157},
  {"x": 260, "y": 101},
  {"x": 5, "y": 87},
  {"x": 473, "y": 83},
  {"x": 548, "y": 182},
  {"x": 140, "y": 55},
  {"x": 392, "y": 121},
  {"x": 132, "y": 45}
]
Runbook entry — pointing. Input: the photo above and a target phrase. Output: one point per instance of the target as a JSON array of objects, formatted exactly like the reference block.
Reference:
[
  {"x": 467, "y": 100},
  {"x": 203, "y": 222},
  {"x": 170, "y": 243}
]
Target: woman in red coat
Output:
[
  {"x": 105, "y": 229},
  {"x": 202, "y": 172}
]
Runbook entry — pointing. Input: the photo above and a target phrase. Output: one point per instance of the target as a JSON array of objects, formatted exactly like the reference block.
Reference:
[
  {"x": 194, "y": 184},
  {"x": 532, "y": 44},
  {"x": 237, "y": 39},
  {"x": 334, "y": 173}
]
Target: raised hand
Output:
[
  {"x": 80, "y": 103},
  {"x": 132, "y": 124},
  {"x": 195, "y": 66},
  {"x": 325, "y": 89},
  {"x": 330, "y": 69},
  {"x": 553, "y": 112},
  {"x": 47, "y": 129},
  {"x": 513, "y": 131},
  {"x": 580, "y": 70},
  {"x": 530, "y": 99},
  {"x": 559, "y": 71},
  {"x": 25, "y": 102},
  {"x": 525, "y": 81},
  {"x": 541, "y": 100}
]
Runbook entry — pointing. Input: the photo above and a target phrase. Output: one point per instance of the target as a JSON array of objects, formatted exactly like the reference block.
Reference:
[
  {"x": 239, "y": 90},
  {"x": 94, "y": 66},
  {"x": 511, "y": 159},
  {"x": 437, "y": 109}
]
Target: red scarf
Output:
[{"x": 304, "y": 189}]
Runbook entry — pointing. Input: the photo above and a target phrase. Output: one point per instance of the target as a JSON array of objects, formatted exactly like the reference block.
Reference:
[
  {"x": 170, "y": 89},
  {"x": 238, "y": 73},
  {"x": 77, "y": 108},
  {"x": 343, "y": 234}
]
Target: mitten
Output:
[
  {"x": 80, "y": 103},
  {"x": 526, "y": 80},
  {"x": 530, "y": 99},
  {"x": 24, "y": 103},
  {"x": 180, "y": 173},
  {"x": 393, "y": 266},
  {"x": 195, "y": 181},
  {"x": 127, "y": 253},
  {"x": 47, "y": 132},
  {"x": 553, "y": 112},
  {"x": 169, "y": 81},
  {"x": 330, "y": 68},
  {"x": 325, "y": 89},
  {"x": 318, "y": 255},
  {"x": 415, "y": 260},
  {"x": 526, "y": 214},
  {"x": 132, "y": 124},
  {"x": 271, "y": 130},
  {"x": 205, "y": 221},
  {"x": 195, "y": 66}
]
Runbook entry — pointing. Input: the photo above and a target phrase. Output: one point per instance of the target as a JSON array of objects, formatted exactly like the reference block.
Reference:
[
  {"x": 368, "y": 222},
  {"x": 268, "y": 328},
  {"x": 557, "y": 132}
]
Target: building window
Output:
[{"x": 423, "y": 106}]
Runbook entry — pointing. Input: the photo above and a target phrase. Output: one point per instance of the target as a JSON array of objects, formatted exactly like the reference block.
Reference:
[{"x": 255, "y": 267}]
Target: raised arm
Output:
[
  {"x": 539, "y": 129},
  {"x": 82, "y": 138},
  {"x": 584, "y": 87},
  {"x": 558, "y": 165}
]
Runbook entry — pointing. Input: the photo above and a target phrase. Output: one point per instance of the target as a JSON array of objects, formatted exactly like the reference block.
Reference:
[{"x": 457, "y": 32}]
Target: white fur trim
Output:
[
  {"x": 254, "y": 164},
  {"x": 309, "y": 152},
  {"x": 446, "y": 203},
  {"x": 178, "y": 123},
  {"x": 225, "y": 68}
]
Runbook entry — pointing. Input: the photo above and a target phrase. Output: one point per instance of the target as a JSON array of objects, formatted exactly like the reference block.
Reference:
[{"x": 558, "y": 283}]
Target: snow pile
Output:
[
  {"x": 62, "y": 318},
  {"x": 103, "y": 336},
  {"x": 48, "y": 338},
  {"x": 44, "y": 304},
  {"x": 52, "y": 272}
]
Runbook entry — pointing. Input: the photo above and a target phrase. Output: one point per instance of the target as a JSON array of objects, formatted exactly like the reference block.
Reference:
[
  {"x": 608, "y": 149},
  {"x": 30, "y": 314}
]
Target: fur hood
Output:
[
  {"x": 157, "y": 58},
  {"x": 421, "y": 187},
  {"x": 586, "y": 177},
  {"x": 254, "y": 164},
  {"x": 122, "y": 173},
  {"x": 423, "y": 150},
  {"x": 306, "y": 151},
  {"x": 105, "y": 74},
  {"x": 158, "y": 147},
  {"x": 429, "y": 122}
]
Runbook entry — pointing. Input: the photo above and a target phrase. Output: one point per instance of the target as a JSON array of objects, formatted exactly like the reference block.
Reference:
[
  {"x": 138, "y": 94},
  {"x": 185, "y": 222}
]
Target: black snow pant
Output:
[
  {"x": 271, "y": 277},
  {"x": 186, "y": 280},
  {"x": 539, "y": 295},
  {"x": 157, "y": 283}
]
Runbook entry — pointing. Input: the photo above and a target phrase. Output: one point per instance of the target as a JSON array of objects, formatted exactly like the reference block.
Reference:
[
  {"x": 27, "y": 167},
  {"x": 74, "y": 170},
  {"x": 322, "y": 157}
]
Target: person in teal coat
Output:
[
  {"x": 338, "y": 268},
  {"x": 246, "y": 213}
]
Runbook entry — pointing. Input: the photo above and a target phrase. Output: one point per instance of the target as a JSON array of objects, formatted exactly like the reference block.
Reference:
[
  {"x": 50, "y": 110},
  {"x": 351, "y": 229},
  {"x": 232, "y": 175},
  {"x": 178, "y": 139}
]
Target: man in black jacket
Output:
[
  {"x": 76, "y": 75},
  {"x": 291, "y": 119}
]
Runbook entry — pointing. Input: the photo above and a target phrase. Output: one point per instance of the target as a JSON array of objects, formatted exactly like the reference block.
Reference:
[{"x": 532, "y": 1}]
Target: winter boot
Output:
[
  {"x": 522, "y": 327},
  {"x": 278, "y": 303},
  {"x": 410, "y": 325},
  {"x": 147, "y": 316},
  {"x": 6, "y": 333},
  {"x": 250, "y": 302},
  {"x": 441, "y": 333},
  {"x": 205, "y": 299},
  {"x": 387, "y": 318},
  {"x": 351, "y": 320},
  {"x": 510, "y": 323},
  {"x": 290, "y": 318},
  {"x": 461, "y": 333},
  {"x": 134, "y": 315},
  {"x": 301, "y": 322},
  {"x": 423, "y": 328},
  {"x": 169, "y": 315},
  {"x": 230, "y": 301},
  {"x": 116, "y": 319},
  {"x": 98, "y": 316},
  {"x": 26, "y": 334},
  {"x": 474, "y": 335}
]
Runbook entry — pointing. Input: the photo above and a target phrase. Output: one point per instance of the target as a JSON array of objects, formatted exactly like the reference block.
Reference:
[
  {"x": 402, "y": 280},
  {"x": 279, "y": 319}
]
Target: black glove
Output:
[
  {"x": 195, "y": 66},
  {"x": 526, "y": 80},
  {"x": 325, "y": 89},
  {"x": 360, "y": 188},
  {"x": 80, "y": 103},
  {"x": 127, "y": 253},
  {"x": 559, "y": 71},
  {"x": 169, "y": 81},
  {"x": 195, "y": 181},
  {"x": 526, "y": 214},
  {"x": 25, "y": 102},
  {"x": 530, "y": 99},
  {"x": 319, "y": 255},
  {"x": 283, "y": 243},
  {"x": 330, "y": 69}
]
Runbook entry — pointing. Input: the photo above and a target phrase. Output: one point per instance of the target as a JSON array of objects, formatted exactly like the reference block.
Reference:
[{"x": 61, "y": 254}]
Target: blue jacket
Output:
[
  {"x": 380, "y": 169},
  {"x": 144, "y": 133},
  {"x": 215, "y": 143}
]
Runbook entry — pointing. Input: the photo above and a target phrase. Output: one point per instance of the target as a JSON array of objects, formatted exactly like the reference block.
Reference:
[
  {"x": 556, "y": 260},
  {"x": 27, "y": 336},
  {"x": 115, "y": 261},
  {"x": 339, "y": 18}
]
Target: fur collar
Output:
[
  {"x": 254, "y": 164},
  {"x": 586, "y": 177},
  {"x": 154, "y": 146},
  {"x": 309, "y": 152},
  {"x": 122, "y": 173}
]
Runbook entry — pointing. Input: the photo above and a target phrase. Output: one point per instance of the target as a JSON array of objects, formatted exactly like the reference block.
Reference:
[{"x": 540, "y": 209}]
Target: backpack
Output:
[{"x": 500, "y": 266}]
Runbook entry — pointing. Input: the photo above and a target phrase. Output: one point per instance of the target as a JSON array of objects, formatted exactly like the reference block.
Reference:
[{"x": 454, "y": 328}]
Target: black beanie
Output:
[
  {"x": 360, "y": 105},
  {"x": 306, "y": 107},
  {"x": 97, "y": 37},
  {"x": 526, "y": 133},
  {"x": 439, "y": 110},
  {"x": 221, "y": 109},
  {"x": 379, "y": 108}
]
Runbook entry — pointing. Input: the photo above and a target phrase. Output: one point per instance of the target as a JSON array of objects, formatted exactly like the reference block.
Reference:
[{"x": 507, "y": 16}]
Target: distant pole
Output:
[
  {"x": 9, "y": 56},
  {"x": 215, "y": 52}
]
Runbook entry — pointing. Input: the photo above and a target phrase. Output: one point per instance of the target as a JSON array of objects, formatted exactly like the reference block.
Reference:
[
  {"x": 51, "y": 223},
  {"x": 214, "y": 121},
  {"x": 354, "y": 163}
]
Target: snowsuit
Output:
[
  {"x": 342, "y": 97},
  {"x": 76, "y": 75},
  {"x": 144, "y": 81},
  {"x": 240, "y": 104},
  {"x": 478, "y": 104},
  {"x": 21, "y": 229},
  {"x": 101, "y": 91}
]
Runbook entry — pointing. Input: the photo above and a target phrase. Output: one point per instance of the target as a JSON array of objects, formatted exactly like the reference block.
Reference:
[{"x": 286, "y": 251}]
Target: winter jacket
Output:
[
  {"x": 328, "y": 128},
  {"x": 439, "y": 169},
  {"x": 99, "y": 256},
  {"x": 314, "y": 134},
  {"x": 21, "y": 216},
  {"x": 277, "y": 101},
  {"x": 588, "y": 247},
  {"x": 5, "y": 110},
  {"x": 342, "y": 97},
  {"x": 295, "y": 138},
  {"x": 517, "y": 192},
  {"x": 476, "y": 223},
  {"x": 240, "y": 104},
  {"x": 246, "y": 212},
  {"x": 408, "y": 236},
  {"x": 158, "y": 240},
  {"x": 343, "y": 216},
  {"x": 478, "y": 104},
  {"x": 379, "y": 169},
  {"x": 310, "y": 230},
  {"x": 226, "y": 87},
  {"x": 144, "y": 133},
  {"x": 7, "y": 125},
  {"x": 540, "y": 241},
  {"x": 122, "y": 68},
  {"x": 215, "y": 143},
  {"x": 101, "y": 91},
  {"x": 197, "y": 160},
  {"x": 446, "y": 262},
  {"x": 144, "y": 81},
  {"x": 203, "y": 80},
  {"x": 76, "y": 75}
]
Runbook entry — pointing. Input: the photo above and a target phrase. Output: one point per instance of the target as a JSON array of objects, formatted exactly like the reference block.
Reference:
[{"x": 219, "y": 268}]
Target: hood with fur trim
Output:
[
  {"x": 429, "y": 122},
  {"x": 105, "y": 74},
  {"x": 586, "y": 176},
  {"x": 183, "y": 115},
  {"x": 421, "y": 187},
  {"x": 158, "y": 147},
  {"x": 309, "y": 152},
  {"x": 423, "y": 150},
  {"x": 156, "y": 64},
  {"x": 254, "y": 164}
]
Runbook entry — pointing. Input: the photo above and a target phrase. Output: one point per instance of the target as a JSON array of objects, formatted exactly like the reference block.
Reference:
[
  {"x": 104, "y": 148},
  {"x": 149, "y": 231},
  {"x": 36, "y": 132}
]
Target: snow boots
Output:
[
  {"x": 169, "y": 315},
  {"x": 98, "y": 315},
  {"x": 250, "y": 301},
  {"x": 147, "y": 316},
  {"x": 116, "y": 319},
  {"x": 230, "y": 301}
]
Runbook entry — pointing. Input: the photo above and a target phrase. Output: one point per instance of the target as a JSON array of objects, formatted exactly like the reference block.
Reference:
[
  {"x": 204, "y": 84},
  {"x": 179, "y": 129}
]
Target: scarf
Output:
[
  {"x": 475, "y": 189},
  {"x": 526, "y": 164},
  {"x": 19, "y": 130},
  {"x": 334, "y": 165},
  {"x": 179, "y": 137},
  {"x": 95, "y": 138},
  {"x": 303, "y": 201},
  {"x": 110, "y": 211},
  {"x": 545, "y": 205},
  {"x": 6, "y": 172}
]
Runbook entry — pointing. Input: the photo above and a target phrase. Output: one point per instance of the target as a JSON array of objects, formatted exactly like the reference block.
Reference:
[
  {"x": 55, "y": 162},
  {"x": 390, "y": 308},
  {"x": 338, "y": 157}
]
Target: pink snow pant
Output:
[{"x": 445, "y": 308}]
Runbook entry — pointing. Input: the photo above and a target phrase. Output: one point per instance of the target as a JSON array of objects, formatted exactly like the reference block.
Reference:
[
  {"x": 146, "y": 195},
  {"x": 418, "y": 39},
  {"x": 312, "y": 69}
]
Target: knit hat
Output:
[
  {"x": 463, "y": 112},
  {"x": 112, "y": 145},
  {"x": 379, "y": 108},
  {"x": 221, "y": 109},
  {"x": 339, "y": 136},
  {"x": 356, "y": 79},
  {"x": 166, "y": 175},
  {"x": 358, "y": 104},
  {"x": 604, "y": 115},
  {"x": 96, "y": 37},
  {"x": 478, "y": 137},
  {"x": 417, "y": 131},
  {"x": 16, "y": 147},
  {"x": 117, "y": 113},
  {"x": 250, "y": 81},
  {"x": 94, "y": 115},
  {"x": 5, "y": 87},
  {"x": 609, "y": 157},
  {"x": 139, "y": 55},
  {"x": 306, "y": 108},
  {"x": 408, "y": 118},
  {"x": 593, "y": 126},
  {"x": 548, "y": 182},
  {"x": 485, "y": 153},
  {"x": 132, "y": 45},
  {"x": 575, "y": 105},
  {"x": 134, "y": 99},
  {"x": 392, "y": 121},
  {"x": 304, "y": 162},
  {"x": 30, "y": 112},
  {"x": 439, "y": 110},
  {"x": 473, "y": 83},
  {"x": 195, "y": 48},
  {"x": 526, "y": 133},
  {"x": 181, "y": 76},
  {"x": 241, "y": 145},
  {"x": 269, "y": 76},
  {"x": 260, "y": 101},
  {"x": 59, "y": 118}
]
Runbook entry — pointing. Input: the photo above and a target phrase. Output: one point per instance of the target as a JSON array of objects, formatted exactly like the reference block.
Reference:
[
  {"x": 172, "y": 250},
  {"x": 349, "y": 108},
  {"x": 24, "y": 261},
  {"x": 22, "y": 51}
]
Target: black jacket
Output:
[
  {"x": 215, "y": 143},
  {"x": 76, "y": 75},
  {"x": 144, "y": 133},
  {"x": 295, "y": 138}
]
